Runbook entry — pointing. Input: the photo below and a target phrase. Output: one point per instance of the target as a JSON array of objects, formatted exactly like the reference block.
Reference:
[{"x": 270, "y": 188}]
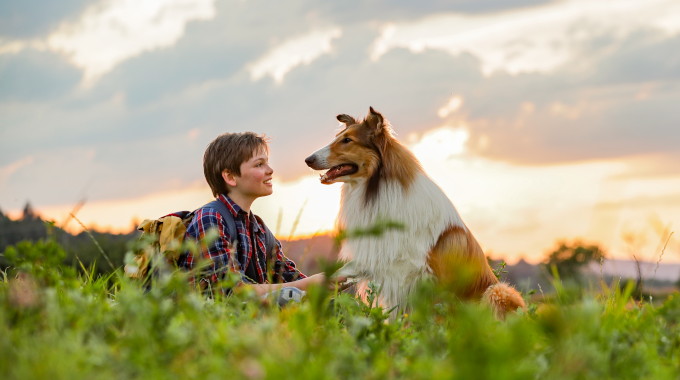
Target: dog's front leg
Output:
[{"x": 349, "y": 271}]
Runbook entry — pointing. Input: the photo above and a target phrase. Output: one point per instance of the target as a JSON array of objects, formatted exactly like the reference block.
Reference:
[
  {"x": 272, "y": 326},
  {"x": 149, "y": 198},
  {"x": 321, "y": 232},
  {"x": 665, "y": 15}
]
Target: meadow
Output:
[{"x": 62, "y": 322}]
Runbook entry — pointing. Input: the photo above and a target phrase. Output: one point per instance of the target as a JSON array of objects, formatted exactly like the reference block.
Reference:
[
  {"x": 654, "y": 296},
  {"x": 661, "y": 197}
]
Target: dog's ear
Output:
[
  {"x": 375, "y": 120},
  {"x": 346, "y": 119}
]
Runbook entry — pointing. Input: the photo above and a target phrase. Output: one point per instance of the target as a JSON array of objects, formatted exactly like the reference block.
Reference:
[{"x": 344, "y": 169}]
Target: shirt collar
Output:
[
  {"x": 233, "y": 208},
  {"x": 236, "y": 210}
]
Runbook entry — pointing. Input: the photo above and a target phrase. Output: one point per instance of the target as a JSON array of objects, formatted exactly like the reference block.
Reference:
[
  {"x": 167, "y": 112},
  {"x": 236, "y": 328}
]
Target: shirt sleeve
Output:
[
  {"x": 284, "y": 268},
  {"x": 219, "y": 252}
]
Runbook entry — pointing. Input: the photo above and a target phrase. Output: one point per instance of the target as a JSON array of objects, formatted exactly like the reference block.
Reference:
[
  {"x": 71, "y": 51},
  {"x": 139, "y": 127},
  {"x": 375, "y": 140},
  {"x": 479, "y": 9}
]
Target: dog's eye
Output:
[{"x": 346, "y": 140}]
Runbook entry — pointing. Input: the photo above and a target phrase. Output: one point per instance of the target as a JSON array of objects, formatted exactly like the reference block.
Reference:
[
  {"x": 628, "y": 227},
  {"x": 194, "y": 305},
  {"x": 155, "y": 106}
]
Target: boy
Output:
[{"x": 236, "y": 166}]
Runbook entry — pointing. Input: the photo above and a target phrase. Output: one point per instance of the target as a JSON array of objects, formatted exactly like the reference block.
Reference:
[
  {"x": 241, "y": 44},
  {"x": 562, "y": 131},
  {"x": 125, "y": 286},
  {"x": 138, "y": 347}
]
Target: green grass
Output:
[{"x": 59, "y": 323}]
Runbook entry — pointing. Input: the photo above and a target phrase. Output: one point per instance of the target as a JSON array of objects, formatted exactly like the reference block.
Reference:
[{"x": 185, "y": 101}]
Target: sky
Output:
[{"x": 541, "y": 120}]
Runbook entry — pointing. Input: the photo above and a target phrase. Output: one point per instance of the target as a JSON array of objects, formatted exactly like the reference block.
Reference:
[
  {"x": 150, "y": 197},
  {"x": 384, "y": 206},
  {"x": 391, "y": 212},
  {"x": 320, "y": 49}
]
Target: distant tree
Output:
[
  {"x": 571, "y": 258},
  {"x": 29, "y": 214}
]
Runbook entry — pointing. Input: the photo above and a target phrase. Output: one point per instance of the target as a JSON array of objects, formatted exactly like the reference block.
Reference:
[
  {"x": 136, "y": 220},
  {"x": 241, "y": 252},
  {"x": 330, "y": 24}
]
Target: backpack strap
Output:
[
  {"x": 270, "y": 242},
  {"x": 270, "y": 239},
  {"x": 226, "y": 215}
]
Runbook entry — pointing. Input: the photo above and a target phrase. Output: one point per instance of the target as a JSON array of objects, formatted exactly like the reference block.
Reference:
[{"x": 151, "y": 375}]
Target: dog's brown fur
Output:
[{"x": 455, "y": 257}]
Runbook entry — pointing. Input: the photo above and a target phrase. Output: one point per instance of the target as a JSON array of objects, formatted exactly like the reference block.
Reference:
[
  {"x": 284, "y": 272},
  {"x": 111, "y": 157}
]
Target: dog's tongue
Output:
[{"x": 335, "y": 172}]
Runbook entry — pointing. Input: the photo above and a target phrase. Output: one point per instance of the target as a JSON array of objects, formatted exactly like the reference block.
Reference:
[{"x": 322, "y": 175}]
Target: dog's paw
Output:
[{"x": 348, "y": 271}]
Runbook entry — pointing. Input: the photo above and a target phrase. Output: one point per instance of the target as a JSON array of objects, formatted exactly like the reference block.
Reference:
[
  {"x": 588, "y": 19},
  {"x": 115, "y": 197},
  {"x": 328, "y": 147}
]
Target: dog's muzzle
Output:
[{"x": 313, "y": 162}]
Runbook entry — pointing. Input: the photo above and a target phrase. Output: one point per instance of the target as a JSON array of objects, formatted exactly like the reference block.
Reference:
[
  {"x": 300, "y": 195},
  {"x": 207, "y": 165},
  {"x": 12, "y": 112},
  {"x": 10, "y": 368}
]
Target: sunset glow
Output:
[
  {"x": 514, "y": 211},
  {"x": 541, "y": 120}
]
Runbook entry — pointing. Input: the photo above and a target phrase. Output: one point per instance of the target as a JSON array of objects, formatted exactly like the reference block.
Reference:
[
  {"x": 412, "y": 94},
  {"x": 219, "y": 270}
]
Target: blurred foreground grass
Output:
[{"x": 58, "y": 323}]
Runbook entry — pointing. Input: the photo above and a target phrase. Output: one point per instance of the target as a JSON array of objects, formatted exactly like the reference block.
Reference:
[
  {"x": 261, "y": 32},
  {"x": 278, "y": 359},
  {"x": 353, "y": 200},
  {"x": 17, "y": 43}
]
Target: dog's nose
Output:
[{"x": 310, "y": 160}]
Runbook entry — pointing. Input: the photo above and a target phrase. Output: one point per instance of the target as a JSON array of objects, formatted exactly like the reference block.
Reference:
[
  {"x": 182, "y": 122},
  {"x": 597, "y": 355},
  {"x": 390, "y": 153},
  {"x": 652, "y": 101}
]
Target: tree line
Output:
[
  {"x": 104, "y": 252},
  {"x": 80, "y": 248}
]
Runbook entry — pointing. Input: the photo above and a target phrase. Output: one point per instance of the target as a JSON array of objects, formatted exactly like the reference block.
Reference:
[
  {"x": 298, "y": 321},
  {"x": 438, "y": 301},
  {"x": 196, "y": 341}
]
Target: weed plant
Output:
[{"x": 59, "y": 323}]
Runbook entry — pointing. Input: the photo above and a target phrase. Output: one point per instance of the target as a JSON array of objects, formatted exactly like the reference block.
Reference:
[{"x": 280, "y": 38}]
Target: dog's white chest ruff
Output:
[{"x": 396, "y": 259}]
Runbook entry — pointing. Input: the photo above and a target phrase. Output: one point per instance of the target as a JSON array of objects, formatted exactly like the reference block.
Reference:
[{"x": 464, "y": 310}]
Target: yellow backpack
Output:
[{"x": 166, "y": 235}]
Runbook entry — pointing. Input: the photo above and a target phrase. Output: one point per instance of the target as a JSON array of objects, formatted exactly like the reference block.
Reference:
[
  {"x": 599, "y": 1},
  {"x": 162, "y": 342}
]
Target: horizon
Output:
[
  {"x": 610, "y": 262},
  {"x": 542, "y": 120}
]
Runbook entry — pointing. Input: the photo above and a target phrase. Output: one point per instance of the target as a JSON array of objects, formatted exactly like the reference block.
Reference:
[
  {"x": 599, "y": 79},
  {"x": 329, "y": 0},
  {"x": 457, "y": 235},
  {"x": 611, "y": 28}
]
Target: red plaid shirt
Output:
[{"x": 250, "y": 258}]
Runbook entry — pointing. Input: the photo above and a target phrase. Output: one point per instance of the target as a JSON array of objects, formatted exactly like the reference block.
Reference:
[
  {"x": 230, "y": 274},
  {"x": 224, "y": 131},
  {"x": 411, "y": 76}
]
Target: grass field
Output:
[{"x": 60, "y": 323}]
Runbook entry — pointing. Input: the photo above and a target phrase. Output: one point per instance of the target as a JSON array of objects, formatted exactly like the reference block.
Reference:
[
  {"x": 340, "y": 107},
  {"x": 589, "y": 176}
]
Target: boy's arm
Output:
[
  {"x": 286, "y": 274},
  {"x": 284, "y": 269},
  {"x": 302, "y": 284}
]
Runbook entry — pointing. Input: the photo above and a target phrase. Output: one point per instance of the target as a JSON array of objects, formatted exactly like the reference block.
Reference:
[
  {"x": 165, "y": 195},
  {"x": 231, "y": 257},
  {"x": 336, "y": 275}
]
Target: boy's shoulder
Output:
[
  {"x": 205, "y": 215},
  {"x": 210, "y": 215},
  {"x": 219, "y": 208}
]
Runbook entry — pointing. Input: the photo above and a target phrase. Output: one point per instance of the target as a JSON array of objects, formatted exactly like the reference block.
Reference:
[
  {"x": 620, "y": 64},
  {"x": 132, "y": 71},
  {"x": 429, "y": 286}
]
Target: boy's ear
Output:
[{"x": 229, "y": 178}]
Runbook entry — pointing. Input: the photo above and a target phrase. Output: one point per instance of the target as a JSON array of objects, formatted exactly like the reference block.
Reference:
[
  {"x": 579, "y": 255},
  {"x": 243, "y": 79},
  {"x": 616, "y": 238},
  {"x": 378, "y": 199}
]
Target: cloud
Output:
[
  {"x": 618, "y": 101},
  {"x": 453, "y": 105},
  {"x": 56, "y": 126},
  {"x": 538, "y": 39},
  {"x": 29, "y": 19},
  {"x": 345, "y": 13},
  {"x": 653, "y": 165},
  {"x": 644, "y": 201},
  {"x": 34, "y": 75},
  {"x": 296, "y": 51},
  {"x": 104, "y": 170},
  {"x": 441, "y": 143},
  {"x": 111, "y": 32},
  {"x": 48, "y": 178},
  {"x": 210, "y": 54},
  {"x": 11, "y": 168},
  {"x": 583, "y": 122}
]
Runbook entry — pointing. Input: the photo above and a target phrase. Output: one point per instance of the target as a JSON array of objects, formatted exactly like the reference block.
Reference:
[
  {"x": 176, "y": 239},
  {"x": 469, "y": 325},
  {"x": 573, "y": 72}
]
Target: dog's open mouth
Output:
[{"x": 338, "y": 171}]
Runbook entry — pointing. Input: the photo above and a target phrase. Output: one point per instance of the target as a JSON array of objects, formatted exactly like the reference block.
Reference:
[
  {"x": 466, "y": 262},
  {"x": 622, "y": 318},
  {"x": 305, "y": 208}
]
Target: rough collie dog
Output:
[{"x": 383, "y": 181}]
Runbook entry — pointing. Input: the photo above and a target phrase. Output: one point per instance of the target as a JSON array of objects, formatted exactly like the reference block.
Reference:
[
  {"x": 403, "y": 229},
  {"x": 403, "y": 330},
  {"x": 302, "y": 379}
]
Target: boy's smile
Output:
[
  {"x": 255, "y": 180},
  {"x": 256, "y": 176}
]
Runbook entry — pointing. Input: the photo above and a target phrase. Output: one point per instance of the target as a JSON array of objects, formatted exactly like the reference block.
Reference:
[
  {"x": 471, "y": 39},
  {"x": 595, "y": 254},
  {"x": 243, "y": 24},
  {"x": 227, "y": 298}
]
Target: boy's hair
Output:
[{"x": 227, "y": 152}]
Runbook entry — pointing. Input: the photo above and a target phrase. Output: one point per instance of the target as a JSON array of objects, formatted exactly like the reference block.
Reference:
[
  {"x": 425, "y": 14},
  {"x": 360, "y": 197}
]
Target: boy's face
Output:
[{"x": 255, "y": 179}]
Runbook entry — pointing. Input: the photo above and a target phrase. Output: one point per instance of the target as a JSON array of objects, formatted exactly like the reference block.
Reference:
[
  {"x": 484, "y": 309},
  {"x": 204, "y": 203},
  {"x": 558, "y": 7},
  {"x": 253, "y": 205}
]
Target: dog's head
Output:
[{"x": 355, "y": 153}]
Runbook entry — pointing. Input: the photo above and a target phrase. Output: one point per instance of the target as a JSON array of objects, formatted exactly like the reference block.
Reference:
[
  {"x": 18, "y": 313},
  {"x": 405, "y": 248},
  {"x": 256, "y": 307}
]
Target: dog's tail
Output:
[{"x": 503, "y": 299}]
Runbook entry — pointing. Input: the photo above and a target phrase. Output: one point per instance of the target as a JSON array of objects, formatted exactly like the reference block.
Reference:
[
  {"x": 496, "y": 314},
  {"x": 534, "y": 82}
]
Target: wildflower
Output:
[{"x": 23, "y": 291}]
